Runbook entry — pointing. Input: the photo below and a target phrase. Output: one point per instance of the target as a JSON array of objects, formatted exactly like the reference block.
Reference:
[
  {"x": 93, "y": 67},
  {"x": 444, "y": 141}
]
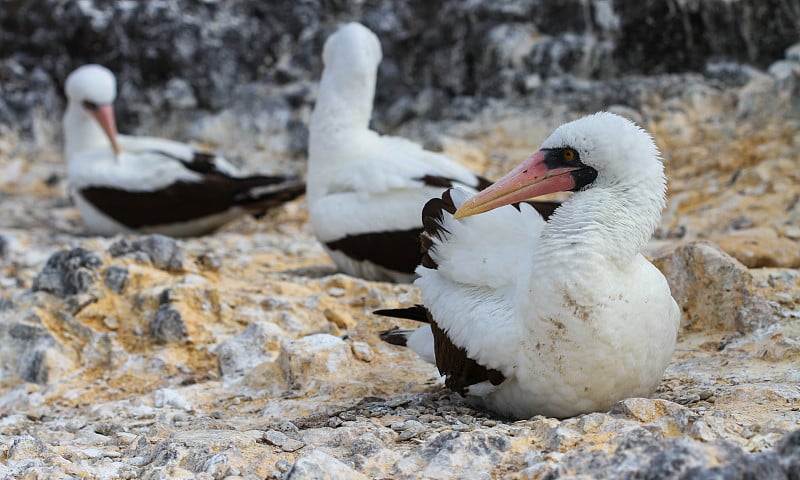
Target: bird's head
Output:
[
  {"x": 354, "y": 47},
  {"x": 597, "y": 150},
  {"x": 92, "y": 89}
]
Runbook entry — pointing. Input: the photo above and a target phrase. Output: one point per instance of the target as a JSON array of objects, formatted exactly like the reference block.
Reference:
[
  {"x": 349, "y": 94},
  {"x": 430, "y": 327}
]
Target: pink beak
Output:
[
  {"x": 105, "y": 117},
  {"x": 532, "y": 178}
]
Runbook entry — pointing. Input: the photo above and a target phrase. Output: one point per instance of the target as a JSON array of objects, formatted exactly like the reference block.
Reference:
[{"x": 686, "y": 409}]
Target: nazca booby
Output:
[
  {"x": 365, "y": 190},
  {"x": 124, "y": 183},
  {"x": 559, "y": 317}
]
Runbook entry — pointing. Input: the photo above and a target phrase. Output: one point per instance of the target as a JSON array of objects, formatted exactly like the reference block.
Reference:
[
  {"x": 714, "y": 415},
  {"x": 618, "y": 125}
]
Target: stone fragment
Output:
[
  {"x": 338, "y": 318},
  {"x": 160, "y": 251},
  {"x": 68, "y": 272},
  {"x": 455, "y": 454},
  {"x": 410, "y": 429},
  {"x": 167, "y": 325},
  {"x": 714, "y": 290},
  {"x": 282, "y": 441},
  {"x": 111, "y": 323},
  {"x": 258, "y": 343},
  {"x": 216, "y": 439},
  {"x": 561, "y": 438},
  {"x": 25, "y": 447},
  {"x": 310, "y": 361},
  {"x": 760, "y": 247},
  {"x": 646, "y": 410},
  {"x": 115, "y": 278},
  {"x": 318, "y": 465},
  {"x": 36, "y": 354},
  {"x": 362, "y": 351},
  {"x": 169, "y": 397}
]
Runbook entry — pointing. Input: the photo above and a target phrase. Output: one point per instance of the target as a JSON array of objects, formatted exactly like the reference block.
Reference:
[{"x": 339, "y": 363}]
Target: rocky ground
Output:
[{"x": 243, "y": 354}]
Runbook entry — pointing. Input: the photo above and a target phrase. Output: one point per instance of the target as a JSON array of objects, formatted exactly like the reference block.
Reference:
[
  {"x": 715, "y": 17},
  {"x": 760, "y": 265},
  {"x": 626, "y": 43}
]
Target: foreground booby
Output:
[
  {"x": 124, "y": 183},
  {"x": 365, "y": 190},
  {"x": 554, "y": 318}
]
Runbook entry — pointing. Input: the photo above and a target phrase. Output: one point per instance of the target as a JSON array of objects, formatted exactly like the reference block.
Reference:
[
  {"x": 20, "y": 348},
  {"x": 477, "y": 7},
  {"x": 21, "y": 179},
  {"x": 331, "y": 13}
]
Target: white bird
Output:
[
  {"x": 365, "y": 190},
  {"x": 556, "y": 317},
  {"x": 124, "y": 183}
]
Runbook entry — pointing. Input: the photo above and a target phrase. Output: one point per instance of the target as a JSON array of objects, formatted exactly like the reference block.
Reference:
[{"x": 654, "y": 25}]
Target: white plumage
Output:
[
  {"x": 568, "y": 310},
  {"x": 361, "y": 182},
  {"x": 123, "y": 183}
]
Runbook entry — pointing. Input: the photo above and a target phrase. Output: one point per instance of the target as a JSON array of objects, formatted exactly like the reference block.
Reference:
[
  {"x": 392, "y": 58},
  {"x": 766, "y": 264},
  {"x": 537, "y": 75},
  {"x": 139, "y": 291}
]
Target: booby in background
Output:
[
  {"x": 365, "y": 190},
  {"x": 123, "y": 183}
]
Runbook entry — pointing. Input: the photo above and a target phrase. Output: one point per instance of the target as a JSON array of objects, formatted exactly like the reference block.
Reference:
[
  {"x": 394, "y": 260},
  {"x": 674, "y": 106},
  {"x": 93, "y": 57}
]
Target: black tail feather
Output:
[
  {"x": 395, "y": 336},
  {"x": 261, "y": 193},
  {"x": 417, "y": 313}
]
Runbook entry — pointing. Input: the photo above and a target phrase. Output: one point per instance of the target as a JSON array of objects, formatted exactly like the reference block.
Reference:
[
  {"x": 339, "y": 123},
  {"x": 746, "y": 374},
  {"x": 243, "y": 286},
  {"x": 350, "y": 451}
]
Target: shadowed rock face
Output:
[
  {"x": 67, "y": 272},
  {"x": 187, "y": 55}
]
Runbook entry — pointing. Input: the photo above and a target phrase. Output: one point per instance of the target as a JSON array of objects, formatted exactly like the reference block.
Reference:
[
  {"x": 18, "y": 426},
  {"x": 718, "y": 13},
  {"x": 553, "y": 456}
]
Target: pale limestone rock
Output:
[
  {"x": 282, "y": 441},
  {"x": 339, "y": 319},
  {"x": 646, "y": 410},
  {"x": 318, "y": 465},
  {"x": 760, "y": 247},
  {"x": 713, "y": 289},
  {"x": 362, "y": 351},
  {"x": 258, "y": 343},
  {"x": 309, "y": 362},
  {"x": 454, "y": 454},
  {"x": 167, "y": 397},
  {"x": 24, "y": 447}
]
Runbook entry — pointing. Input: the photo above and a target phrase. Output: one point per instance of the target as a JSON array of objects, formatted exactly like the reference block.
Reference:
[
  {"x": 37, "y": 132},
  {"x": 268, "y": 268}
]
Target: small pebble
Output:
[
  {"x": 111, "y": 323},
  {"x": 336, "y": 292},
  {"x": 283, "y": 465},
  {"x": 362, "y": 351},
  {"x": 339, "y": 319}
]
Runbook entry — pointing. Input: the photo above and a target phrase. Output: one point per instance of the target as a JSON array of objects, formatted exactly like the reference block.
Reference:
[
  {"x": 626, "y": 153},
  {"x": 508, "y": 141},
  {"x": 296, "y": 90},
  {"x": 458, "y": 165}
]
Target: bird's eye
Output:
[
  {"x": 568, "y": 154},
  {"x": 91, "y": 106}
]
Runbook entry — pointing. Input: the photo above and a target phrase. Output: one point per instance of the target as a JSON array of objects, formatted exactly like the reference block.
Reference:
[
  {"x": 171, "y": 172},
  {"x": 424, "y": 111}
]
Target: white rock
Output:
[
  {"x": 318, "y": 465},
  {"x": 168, "y": 397}
]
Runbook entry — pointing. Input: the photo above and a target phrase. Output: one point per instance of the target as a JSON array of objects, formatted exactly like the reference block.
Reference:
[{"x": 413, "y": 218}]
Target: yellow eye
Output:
[{"x": 569, "y": 154}]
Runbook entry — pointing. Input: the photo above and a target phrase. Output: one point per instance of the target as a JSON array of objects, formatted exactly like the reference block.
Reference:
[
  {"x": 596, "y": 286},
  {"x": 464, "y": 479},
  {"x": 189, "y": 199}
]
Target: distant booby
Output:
[
  {"x": 365, "y": 190},
  {"x": 124, "y": 183},
  {"x": 559, "y": 317}
]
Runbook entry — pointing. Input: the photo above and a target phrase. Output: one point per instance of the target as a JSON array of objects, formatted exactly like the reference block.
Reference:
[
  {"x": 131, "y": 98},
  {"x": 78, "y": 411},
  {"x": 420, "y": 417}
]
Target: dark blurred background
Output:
[{"x": 441, "y": 58}]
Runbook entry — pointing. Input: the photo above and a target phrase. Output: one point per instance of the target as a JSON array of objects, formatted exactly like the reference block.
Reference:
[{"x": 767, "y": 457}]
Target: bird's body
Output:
[
  {"x": 124, "y": 183},
  {"x": 559, "y": 317},
  {"x": 365, "y": 190}
]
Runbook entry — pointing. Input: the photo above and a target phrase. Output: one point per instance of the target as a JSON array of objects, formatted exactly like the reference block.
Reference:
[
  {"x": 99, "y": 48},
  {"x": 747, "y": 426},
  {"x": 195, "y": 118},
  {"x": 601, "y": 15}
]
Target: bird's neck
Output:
[
  {"x": 344, "y": 104},
  {"x": 81, "y": 132},
  {"x": 604, "y": 225},
  {"x": 339, "y": 127}
]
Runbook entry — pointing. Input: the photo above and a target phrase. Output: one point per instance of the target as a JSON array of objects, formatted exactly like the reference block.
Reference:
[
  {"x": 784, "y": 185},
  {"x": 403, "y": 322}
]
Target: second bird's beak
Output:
[{"x": 105, "y": 117}]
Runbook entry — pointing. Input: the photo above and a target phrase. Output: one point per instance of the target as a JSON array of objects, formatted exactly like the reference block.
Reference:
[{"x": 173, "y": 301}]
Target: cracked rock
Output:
[{"x": 68, "y": 272}]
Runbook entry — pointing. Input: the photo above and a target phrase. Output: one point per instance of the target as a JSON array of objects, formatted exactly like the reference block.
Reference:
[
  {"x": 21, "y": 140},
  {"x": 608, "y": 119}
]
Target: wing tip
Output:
[
  {"x": 395, "y": 336},
  {"x": 417, "y": 313}
]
